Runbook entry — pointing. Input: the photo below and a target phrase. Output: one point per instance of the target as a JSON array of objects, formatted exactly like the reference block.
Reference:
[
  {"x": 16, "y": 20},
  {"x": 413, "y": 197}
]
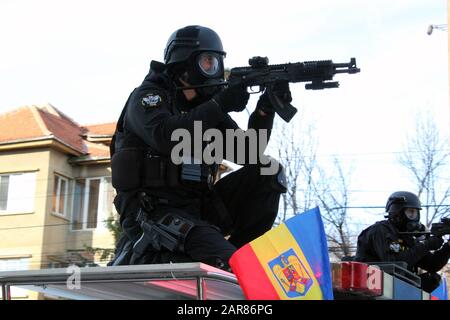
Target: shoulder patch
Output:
[
  {"x": 151, "y": 100},
  {"x": 395, "y": 247}
]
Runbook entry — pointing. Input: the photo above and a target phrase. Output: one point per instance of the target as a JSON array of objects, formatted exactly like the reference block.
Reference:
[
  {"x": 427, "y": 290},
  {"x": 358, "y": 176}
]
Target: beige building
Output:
[{"x": 55, "y": 189}]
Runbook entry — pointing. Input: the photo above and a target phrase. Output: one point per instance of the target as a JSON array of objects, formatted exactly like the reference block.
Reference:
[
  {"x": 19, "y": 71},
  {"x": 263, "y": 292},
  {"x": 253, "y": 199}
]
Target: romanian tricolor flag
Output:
[{"x": 288, "y": 262}]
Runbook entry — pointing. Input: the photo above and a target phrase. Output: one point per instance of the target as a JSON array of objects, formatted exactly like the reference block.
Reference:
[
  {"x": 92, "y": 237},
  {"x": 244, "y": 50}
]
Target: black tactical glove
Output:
[
  {"x": 232, "y": 98},
  {"x": 433, "y": 243},
  {"x": 281, "y": 90}
]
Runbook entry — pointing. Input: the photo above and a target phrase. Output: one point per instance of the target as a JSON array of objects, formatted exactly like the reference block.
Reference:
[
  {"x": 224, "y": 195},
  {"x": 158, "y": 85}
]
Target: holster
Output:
[{"x": 169, "y": 231}]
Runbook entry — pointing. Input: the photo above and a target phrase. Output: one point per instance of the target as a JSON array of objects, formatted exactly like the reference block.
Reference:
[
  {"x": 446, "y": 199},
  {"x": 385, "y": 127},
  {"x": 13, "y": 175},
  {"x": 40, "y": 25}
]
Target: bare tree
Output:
[
  {"x": 296, "y": 150},
  {"x": 331, "y": 191},
  {"x": 310, "y": 185},
  {"x": 427, "y": 157},
  {"x": 290, "y": 155}
]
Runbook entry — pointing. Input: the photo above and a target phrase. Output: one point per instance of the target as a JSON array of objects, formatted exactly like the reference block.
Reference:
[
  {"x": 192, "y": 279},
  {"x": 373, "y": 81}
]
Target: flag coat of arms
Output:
[{"x": 288, "y": 262}]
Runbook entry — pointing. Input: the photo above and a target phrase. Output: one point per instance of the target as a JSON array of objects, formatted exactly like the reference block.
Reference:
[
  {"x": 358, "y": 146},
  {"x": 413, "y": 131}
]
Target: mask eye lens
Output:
[{"x": 208, "y": 64}]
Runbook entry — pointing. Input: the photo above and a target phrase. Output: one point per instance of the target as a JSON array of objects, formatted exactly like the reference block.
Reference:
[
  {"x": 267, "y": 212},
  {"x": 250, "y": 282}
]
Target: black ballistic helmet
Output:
[
  {"x": 396, "y": 205},
  {"x": 189, "y": 40},
  {"x": 400, "y": 200}
]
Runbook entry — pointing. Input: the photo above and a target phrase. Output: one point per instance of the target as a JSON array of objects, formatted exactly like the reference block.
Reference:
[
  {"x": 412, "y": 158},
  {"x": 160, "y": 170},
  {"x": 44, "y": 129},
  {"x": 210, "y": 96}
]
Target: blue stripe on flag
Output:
[{"x": 308, "y": 230}]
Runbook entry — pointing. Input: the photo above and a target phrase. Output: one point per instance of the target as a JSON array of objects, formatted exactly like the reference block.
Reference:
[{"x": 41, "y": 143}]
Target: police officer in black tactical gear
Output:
[
  {"x": 175, "y": 212},
  {"x": 393, "y": 240}
]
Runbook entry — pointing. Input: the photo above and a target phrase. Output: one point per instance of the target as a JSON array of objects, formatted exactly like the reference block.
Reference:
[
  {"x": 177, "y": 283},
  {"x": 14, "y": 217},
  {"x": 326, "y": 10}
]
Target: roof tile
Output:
[
  {"x": 20, "y": 124},
  {"x": 63, "y": 129},
  {"x": 101, "y": 129},
  {"x": 31, "y": 122}
]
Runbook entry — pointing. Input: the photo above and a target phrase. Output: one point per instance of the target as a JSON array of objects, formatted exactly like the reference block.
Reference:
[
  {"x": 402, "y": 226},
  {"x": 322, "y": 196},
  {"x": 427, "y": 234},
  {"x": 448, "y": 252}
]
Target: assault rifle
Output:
[
  {"x": 317, "y": 73},
  {"x": 438, "y": 229},
  {"x": 260, "y": 74}
]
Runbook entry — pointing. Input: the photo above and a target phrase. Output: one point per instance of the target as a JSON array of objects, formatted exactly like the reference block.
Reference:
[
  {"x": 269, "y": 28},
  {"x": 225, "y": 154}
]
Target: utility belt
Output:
[{"x": 135, "y": 168}]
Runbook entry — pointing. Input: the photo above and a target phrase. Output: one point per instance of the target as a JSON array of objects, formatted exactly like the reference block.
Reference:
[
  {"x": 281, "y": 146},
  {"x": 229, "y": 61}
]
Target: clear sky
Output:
[{"x": 84, "y": 57}]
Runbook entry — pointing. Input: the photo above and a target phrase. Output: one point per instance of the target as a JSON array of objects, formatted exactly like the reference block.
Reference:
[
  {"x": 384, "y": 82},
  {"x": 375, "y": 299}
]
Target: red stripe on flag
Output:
[{"x": 251, "y": 276}]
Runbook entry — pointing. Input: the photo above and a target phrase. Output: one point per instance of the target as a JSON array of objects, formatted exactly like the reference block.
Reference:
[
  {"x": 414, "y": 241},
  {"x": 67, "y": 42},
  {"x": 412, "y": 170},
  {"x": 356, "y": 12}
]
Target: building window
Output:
[
  {"x": 18, "y": 264},
  {"x": 92, "y": 203},
  {"x": 17, "y": 192},
  {"x": 60, "y": 195}
]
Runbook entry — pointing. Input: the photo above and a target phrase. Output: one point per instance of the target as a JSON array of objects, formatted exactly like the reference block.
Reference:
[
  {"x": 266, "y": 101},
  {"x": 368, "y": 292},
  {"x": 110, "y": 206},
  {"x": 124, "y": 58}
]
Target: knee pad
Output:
[
  {"x": 281, "y": 181},
  {"x": 278, "y": 181},
  {"x": 275, "y": 174}
]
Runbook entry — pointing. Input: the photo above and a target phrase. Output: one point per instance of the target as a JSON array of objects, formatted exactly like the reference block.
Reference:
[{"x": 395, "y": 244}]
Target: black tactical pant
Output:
[
  {"x": 430, "y": 281},
  {"x": 242, "y": 206}
]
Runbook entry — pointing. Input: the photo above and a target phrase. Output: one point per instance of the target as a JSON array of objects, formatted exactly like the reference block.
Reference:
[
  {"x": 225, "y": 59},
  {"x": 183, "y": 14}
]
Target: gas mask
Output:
[
  {"x": 200, "y": 69},
  {"x": 407, "y": 220},
  {"x": 205, "y": 68},
  {"x": 412, "y": 216}
]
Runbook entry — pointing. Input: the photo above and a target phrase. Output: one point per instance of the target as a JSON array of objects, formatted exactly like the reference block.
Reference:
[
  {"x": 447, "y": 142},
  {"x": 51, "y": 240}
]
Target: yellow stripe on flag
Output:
[{"x": 270, "y": 246}]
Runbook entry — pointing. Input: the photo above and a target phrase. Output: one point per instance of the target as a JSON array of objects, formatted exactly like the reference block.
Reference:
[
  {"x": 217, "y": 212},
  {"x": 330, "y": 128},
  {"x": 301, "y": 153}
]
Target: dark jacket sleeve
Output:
[
  {"x": 433, "y": 262},
  {"x": 155, "y": 124},
  {"x": 257, "y": 121},
  {"x": 381, "y": 246}
]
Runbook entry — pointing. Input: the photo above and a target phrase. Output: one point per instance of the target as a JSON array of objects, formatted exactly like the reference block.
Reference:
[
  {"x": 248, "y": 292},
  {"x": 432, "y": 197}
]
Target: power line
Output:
[
  {"x": 383, "y": 207},
  {"x": 115, "y": 220},
  {"x": 57, "y": 225},
  {"x": 363, "y": 154},
  {"x": 334, "y": 155}
]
